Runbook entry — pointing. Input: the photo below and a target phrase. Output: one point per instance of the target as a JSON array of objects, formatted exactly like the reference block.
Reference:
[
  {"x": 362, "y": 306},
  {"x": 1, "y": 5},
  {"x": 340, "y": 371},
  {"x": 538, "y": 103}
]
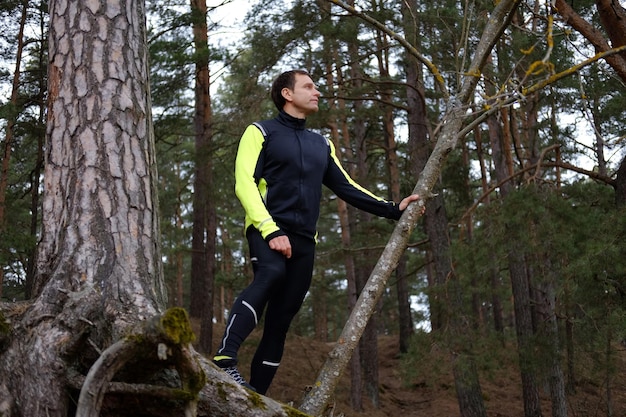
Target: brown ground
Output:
[{"x": 429, "y": 396}]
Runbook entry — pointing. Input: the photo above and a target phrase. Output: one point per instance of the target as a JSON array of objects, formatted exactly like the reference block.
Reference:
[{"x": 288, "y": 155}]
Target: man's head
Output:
[{"x": 295, "y": 92}]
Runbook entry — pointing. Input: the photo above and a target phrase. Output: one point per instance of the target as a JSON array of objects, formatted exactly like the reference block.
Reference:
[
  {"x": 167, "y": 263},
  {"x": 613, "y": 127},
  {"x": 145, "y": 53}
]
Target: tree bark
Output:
[{"x": 98, "y": 267}]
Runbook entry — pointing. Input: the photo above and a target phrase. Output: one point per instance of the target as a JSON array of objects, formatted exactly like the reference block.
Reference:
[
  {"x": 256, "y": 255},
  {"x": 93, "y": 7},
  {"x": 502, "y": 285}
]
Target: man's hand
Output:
[
  {"x": 282, "y": 245},
  {"x": 405, "y": 202}
]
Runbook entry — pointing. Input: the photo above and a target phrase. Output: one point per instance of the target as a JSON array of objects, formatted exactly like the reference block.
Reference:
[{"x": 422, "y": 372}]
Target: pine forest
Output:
[{"x": 119, "y": 126}]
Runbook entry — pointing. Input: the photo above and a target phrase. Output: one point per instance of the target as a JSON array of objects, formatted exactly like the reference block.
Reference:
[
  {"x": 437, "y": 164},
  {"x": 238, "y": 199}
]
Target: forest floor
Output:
[{"x": 427, "y": 396}]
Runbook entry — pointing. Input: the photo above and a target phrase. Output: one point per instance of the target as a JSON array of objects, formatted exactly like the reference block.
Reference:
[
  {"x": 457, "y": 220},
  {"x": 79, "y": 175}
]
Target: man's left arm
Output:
[{"x": 340, "y": 182}]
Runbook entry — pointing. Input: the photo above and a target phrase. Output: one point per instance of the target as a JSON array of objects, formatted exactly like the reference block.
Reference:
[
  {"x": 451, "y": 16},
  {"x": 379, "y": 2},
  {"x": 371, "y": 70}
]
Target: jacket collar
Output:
[{"x": 290, "y": 121}]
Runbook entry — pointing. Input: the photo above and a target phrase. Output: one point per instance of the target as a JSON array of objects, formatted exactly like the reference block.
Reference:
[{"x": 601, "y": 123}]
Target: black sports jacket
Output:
[{"x": 279, "y": 172}]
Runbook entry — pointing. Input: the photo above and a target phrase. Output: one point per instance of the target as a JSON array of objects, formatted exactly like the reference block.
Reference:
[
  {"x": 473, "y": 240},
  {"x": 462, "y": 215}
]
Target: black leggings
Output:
[{"x": 280, "y": 284}]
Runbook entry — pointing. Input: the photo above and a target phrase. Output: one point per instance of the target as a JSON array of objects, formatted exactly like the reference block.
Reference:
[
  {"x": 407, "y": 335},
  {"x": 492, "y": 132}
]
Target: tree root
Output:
[
  {"x": 168, "y": 336},
  {"x": 165, "y": 343}
]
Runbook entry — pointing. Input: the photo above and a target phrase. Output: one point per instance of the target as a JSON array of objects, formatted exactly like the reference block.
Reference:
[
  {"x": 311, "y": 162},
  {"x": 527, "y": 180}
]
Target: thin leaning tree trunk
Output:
[{"x": 319, "y": 396}]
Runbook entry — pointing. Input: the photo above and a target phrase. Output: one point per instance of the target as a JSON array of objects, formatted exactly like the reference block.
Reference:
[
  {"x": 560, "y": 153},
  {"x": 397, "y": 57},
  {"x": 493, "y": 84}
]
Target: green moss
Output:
[
  {"x": 196, "y": 382},
  {"x": 221, "y": 391},
  {"x": 182, "y": 395},
  {"x": 177, "y": 326},
  {"x": 294, "y": 412},
  {"x": 256, "y": 400}
]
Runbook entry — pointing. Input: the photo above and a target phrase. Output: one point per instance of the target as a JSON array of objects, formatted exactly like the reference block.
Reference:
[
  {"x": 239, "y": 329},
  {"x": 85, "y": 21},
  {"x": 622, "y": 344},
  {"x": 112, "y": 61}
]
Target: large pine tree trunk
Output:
[
  {"x": 98, "y": 266},
  {"x": 99, "y": 283}
]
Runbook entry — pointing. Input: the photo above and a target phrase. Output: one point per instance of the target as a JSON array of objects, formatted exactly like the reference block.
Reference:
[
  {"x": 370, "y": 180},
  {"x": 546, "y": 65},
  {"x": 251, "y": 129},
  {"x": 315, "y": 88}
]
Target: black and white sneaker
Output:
[{"x": 229, "y": 365}]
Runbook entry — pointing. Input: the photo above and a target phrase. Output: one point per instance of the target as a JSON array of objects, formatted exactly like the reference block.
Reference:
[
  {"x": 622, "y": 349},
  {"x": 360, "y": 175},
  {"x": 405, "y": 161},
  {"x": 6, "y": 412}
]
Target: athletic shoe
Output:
[{"x": 229, "y": 365}]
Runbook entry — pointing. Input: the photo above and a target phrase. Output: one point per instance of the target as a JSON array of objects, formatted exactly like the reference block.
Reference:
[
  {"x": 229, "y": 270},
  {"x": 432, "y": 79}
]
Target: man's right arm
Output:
[{"x": 249, "y": 194}]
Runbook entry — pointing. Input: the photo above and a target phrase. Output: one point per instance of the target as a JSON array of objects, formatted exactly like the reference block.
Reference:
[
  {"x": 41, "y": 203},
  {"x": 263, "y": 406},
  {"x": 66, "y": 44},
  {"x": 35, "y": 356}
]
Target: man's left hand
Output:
[{"x": 407, "y": 200}]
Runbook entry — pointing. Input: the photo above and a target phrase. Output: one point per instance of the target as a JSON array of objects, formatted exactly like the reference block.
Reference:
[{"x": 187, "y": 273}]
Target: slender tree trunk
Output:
[
  {"x": 569, "y": 342},
  {"x": 620, "y": 185},
  {"x": 179, "y": 288},
  {"x": 357, "y": 142},
  {"x": 418, "y": 130},
  {"x": 368, "y": 344},
  {"x": 468, "y": 391},
  {"x": 8, "y": 141},
  {"x": 557, "y": 378},
  {"x": 339, "y": 130},
  {"x": 435, "y": 218},
  {"x": 35, "y": 198},
  {"x": 608, "y": 354},
  {"x": 405, "y": 320},
  {"x": 500, "y": 154},
  {"x": 524, "y": 329},
  {"x": 205, "y": 222},
  {"x": 453, "y": 322},
  {"x": 502, "y": 160},
  {"x": 226, "y": 266},
  {"x": 319, "y": 297}
]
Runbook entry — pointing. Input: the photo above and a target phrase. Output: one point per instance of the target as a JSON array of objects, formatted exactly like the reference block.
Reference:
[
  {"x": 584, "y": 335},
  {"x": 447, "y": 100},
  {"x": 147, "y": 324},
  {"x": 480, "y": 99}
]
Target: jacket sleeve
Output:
[
  {"x": 250, "y": 190},
  {"x": 338, "y": 180}
]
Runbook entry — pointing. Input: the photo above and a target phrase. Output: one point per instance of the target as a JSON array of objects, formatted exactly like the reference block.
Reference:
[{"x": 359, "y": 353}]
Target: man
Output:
[{"x": 279, "y": 171}]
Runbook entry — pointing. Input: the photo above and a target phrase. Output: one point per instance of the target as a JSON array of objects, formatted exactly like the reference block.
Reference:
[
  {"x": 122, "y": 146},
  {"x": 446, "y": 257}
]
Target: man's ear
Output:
[{"x": 286, "y": 93}]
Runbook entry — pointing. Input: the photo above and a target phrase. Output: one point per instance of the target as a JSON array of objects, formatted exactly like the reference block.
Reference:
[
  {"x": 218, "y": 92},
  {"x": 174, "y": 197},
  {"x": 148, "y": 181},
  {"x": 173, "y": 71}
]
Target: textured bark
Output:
[
  {"x": 549, "y": 328},
  {"x": 98, "y": 264},
  {"x": 467, "y": 386}
]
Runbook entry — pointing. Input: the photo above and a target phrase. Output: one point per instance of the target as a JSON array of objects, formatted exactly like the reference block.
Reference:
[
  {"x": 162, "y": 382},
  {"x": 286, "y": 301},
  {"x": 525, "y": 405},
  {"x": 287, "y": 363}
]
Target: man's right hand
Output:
[{"x": 282, "y": 245}]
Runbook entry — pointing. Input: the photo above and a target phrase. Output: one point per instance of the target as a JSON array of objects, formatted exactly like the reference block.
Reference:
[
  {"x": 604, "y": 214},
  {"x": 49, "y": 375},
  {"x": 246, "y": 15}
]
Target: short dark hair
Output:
[{"x": 285, "y": 80}]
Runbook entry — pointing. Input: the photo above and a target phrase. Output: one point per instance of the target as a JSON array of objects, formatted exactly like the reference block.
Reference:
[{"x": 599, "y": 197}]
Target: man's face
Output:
[{"x": 303, "y": 99}]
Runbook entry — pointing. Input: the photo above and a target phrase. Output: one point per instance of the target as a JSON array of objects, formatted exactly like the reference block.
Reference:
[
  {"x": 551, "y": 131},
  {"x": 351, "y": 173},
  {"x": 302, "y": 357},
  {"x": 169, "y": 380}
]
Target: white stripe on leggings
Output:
[{"x": 256, "y": 320}]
